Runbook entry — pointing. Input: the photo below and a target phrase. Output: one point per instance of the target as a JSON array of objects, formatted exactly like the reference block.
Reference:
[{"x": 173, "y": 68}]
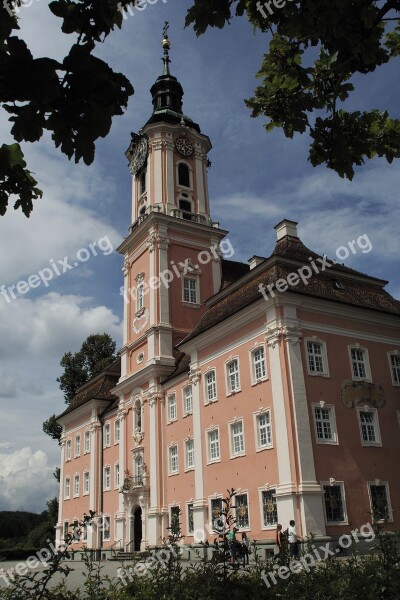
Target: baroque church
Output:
[{"x": 291, "y": 397}]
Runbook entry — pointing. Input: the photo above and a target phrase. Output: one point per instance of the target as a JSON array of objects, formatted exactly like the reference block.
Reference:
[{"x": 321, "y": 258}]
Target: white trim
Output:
[
  {"x": 77, "y": 478},
  {"x": 184, "y": 388},
  {"x": 389, "y": 504},
  {"x": 67, "y": 497},
  {"x": 172, "y": 394},
  {"x": 106, "y": 427},
  {"x": 350, "y": 333},
  {"x": 324, "y": 355},
  {"x": 243, "y": 493},
  {"x": 364, "y": 350},
  {"x": 231, "y": 424},
  {"x": 256, "y": 415},
  {"x": 252, "y": 351},
  {"x": 368, "y": 409},
  {"x": 343, "y": 495},
  {"x": 209, "y": 430},
  {"x": 228, "y": 390},
  {"x": 186, "y": 442},
  {"x": 332, "y": 420},
  {"x": 68, "y": 450},
  {"x": 391, "y": 368},
  {"x": 205, "y": 374},
  {"x": 170, "y": 446},
  {"x": 76, "y": 453},
  {"x": 84, "y": 493},
  {"x": 267, "y": 488}
]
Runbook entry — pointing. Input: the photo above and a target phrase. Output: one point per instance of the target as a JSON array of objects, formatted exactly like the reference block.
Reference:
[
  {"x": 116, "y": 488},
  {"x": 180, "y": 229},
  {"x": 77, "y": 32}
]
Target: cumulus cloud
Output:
[{"x": 26, "y": 480}]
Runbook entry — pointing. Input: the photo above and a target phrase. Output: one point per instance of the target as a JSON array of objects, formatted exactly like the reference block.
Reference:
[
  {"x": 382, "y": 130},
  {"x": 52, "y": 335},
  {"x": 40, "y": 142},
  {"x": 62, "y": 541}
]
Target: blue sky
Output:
[{"x": 256, "y": 179}]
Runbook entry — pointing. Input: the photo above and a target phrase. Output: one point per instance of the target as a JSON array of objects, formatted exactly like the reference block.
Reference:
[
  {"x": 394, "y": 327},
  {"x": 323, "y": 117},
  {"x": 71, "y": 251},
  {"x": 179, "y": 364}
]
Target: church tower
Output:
[
  {"x": 172, "y": 264},
  {"x": 172, "y": 261}
]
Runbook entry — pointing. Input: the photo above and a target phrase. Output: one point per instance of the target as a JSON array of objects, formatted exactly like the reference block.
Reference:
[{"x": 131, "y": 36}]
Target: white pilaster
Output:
[{"x": 199, "y": 503}]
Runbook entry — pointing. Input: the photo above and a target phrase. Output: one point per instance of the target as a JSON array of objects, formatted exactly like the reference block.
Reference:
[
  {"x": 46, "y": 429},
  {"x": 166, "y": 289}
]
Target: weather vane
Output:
[{"x": 166, "y": 45}]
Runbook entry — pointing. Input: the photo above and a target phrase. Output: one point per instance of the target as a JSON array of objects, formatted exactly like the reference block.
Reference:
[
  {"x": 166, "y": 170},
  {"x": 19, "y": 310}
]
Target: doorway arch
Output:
[{"x": 137, "y": 528}]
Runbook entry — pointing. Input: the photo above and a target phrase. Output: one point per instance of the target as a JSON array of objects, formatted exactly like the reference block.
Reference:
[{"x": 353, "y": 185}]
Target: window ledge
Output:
[
  {"x": 173, "y": 474},
  {"x": 371, "y": 444},
  {"x": 318, "y": 374},
  {"x": 258, "y": 381},
  {"x": 171, "y": 421},
  {"x": 262, "y": 448},
  {"x": 327, "y": 442},
  {"x": 233, "y": 456},
  {"x": 188, "y": 414},
  {"x": 189, "y": 469},
  {"x": 191, "y": 305},
  {"x": 213, "y": 461},
  {"x": 233, "y": 392},
  {"x": 336, "y": 523}
]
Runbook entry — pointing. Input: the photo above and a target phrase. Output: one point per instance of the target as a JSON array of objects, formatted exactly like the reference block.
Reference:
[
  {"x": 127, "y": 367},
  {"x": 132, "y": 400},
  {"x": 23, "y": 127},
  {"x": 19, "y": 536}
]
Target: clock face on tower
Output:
[
  {"x": 184, "y": 147},
  {"x": 138, "y": 151}
]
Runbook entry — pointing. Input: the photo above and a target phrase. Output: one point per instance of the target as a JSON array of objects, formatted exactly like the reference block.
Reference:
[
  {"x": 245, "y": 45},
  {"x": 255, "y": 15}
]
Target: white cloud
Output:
[{"x": 26, "y": 480}]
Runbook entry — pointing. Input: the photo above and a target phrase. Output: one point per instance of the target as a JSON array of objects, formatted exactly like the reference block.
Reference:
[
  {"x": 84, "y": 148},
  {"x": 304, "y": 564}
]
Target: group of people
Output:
[
  {"x": 239, "y": 549},
  {"x": 293, "y": 539}
]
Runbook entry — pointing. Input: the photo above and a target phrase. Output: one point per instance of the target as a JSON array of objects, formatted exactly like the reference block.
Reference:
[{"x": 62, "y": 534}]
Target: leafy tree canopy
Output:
[
  {"x": 315, "y": 49},
  {"x": 96, "y": 354},
  {"x": 74, "y": 99}
]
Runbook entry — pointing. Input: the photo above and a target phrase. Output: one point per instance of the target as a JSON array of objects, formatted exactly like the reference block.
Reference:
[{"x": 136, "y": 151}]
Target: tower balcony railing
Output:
[{"x": 178, "y": 213}]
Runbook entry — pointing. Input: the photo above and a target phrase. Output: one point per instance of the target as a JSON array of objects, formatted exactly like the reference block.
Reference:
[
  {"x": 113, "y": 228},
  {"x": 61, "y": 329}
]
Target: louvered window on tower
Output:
[{"x": 183, "y": 175}]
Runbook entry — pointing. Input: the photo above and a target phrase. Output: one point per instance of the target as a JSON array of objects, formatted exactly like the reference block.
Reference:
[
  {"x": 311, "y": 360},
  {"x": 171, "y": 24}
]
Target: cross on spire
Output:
[{"x": 166, "y": 45}]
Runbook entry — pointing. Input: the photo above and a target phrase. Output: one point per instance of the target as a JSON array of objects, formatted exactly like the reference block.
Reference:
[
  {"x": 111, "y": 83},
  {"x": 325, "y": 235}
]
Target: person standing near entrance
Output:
[{"x": 294, "y": 539}]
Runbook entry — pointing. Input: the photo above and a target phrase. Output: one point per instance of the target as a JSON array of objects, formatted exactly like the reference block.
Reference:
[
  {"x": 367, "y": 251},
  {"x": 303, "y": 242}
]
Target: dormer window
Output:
[{"x": 183, "y": 175}]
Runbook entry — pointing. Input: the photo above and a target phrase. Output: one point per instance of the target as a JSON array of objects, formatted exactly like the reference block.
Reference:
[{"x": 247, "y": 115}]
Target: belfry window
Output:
[
  {"x": 186, "y": 208},
  {"x": 183, "y": 175}
]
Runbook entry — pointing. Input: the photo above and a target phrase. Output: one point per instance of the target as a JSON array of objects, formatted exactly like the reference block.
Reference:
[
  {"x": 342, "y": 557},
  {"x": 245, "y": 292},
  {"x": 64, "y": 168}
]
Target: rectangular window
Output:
[
  {"x": 188, "y": 399},
  {"x": 358, "y": 363},
  {"x": 189, "y": 451},
  {"x": 325, "y": 424},
  {"x": 242, "y": 511},
  {"x": 138, "y": 469},
  {"x": 107, "y": 478},
  {"x": 174, "y": 516},
  {"x": 315, "y": 357},
  {"x": 259, "y": 369},
  {"x": 237, "y": 438},
  {"x": 67, "y": 491},
  {"x": 190, "y": 290},
  {"x": 117, "y": 431},
  {"x": 264, "y": 430},
  {"x": 211, "y": 387},
  {"x": 78, "y": 445},
  {"x": 190, "y": 519},
  {"x": 86, "y": 482},
  {"x": 172, "y": 407},
  {"x": 106, "y": 528},
  {"x": 232, "y": 369},
  {"x": 87, "y": 442},
  {"x": 173, "y": 460},
  {"x": 76, "y": 485},
  {"x": 369, "y": 427},
  {"x": 379, "y": 498},
  {"x": 395, "y": 368},
  {"x": 66, "y": 527},
  {"x": 107, "y": 435},
  {"x": 270, "y": 513},
  {"x": 116, "y": 475},
  {"x": 68, "y": 450},
  {"x": 334, "y": 503},
  {"x": 84, "y": 533},
  {"x": 213, "y": 445},
  {"x": 216, "y": 514}
]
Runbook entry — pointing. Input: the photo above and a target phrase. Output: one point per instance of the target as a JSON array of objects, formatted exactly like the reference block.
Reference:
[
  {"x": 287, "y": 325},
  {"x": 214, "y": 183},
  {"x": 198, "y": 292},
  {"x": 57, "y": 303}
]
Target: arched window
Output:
[
  {"x": 183, "y": 175},
  {"x": 186, "y": 208}
]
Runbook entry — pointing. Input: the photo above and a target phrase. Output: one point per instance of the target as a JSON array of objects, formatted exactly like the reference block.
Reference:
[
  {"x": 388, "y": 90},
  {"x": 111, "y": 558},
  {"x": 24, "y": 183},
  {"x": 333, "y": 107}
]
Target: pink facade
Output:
[{"x": 290, "y": 397}]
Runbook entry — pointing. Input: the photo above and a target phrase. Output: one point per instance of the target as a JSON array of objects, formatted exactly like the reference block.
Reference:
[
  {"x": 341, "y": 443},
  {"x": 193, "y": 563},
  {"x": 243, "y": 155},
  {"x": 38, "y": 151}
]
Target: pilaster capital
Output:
[
  {"x": 126, "y": 267},
  {"x": 121, "y": 414},
  {"x": 194, "y": 376},
  {"x": 290, "y": 332},
  {"x": 163, "y": 242},
  {"x": 151, "y": 242}
]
